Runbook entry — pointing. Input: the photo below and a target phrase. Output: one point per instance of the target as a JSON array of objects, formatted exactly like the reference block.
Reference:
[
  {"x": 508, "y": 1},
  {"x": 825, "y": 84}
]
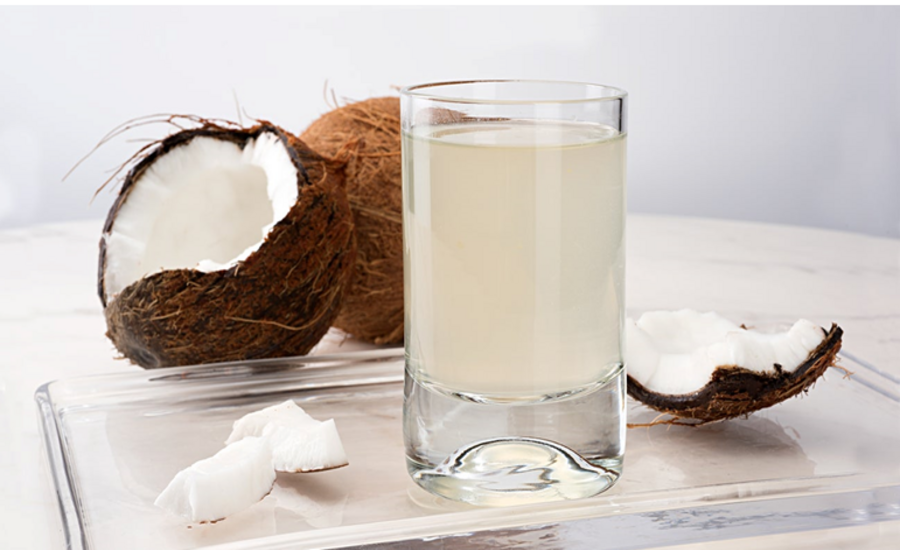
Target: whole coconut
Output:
[
  {"x": 370, "y": 131},
  {"x": 170, "y": 300}
]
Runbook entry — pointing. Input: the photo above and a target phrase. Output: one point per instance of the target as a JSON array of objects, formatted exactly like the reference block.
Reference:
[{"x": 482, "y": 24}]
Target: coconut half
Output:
[
  {"x": 226, "y": 244},
  {"x": 230, "y": 481},
  {"x": 703, "y": 367},
  {"x": 299, "y": 442}
]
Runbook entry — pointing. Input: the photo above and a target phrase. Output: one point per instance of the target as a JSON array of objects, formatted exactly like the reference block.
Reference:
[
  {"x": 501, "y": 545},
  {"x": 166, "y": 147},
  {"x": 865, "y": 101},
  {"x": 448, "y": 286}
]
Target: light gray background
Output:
[{"x": 788, "y": 115}]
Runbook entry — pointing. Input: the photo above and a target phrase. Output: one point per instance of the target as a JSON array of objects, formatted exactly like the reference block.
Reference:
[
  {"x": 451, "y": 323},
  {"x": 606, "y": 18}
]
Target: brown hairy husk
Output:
[
  {"x": 369, "y": 132},
  {"x": 734, "y": 391},
  {"x": 280, "y": 301}
]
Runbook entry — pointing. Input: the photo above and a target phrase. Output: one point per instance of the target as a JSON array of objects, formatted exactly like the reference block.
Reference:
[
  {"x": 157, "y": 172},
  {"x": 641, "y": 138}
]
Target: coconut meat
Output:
[
  {"x": 205, "y": 205},
  {"x": 676, "y": 352},
  {"x": 299, "y": 442},
  {"x": 214, "y": 488}
]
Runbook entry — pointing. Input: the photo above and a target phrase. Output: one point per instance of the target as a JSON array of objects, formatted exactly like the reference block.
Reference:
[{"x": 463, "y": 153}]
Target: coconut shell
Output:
[
  {"x": 734, "y": 391},
  {"x": 280, "y": 301},
  {"x": 369, "y": 131}
]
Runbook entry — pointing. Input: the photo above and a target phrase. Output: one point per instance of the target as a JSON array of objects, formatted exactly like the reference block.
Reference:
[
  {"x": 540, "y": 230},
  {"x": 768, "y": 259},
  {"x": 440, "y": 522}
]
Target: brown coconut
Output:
[
  {"x": 734, "y": 391},
  {"x": 370, "y": 131},
  {"x": 280, "y": 301}
]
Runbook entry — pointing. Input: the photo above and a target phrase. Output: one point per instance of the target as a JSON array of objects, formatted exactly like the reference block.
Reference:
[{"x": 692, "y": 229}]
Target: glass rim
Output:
[{"x": 416, "y": 92}]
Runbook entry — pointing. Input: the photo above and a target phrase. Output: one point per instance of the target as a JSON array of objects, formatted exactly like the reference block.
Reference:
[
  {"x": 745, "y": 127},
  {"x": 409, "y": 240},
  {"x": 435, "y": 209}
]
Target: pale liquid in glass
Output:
[{"x": 519, "y": 258}]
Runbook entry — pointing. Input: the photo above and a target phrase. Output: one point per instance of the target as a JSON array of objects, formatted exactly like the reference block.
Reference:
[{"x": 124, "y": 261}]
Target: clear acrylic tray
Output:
[{"x": 828, "y": 459}]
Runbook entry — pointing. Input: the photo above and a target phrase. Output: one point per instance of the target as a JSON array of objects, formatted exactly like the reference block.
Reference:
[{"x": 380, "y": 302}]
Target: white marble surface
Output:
[{"x": 51, "y": 324}]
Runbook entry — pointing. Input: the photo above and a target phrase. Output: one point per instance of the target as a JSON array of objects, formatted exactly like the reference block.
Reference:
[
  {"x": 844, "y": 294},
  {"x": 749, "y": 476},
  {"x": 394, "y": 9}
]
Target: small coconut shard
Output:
[
  {"x": 299, "y": 442},
  {"x": 230, "y": 481},
  {"x": 226, "y": 244},
  {"x": 369, "y": 131},
  {"x": 702, "y": 368}
]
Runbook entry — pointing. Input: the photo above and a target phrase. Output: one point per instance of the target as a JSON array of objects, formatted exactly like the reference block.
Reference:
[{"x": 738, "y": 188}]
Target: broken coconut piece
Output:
[
  {"x": 702, "y": 366},
  {"x": 299, "y": 442},
  {"x": 214, "y": 488},
  {"x": 225, "y": 244}
]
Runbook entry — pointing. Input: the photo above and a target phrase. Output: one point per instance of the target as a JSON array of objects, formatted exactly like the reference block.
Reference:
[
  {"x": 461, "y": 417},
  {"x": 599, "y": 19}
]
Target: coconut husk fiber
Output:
[
  {"x": 278, "y": 302},
  {"x": 734, "y": 391},
  {"x": 369, "y": 131}
]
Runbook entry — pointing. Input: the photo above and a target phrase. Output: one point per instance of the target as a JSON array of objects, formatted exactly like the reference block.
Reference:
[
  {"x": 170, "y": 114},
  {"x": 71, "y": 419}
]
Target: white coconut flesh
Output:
[
  {"x": 299, "y": 442},
  {"x": 230, "y": 481},
  {"x": 676, "y": 352},
  {"x": 204, "y": 205}
]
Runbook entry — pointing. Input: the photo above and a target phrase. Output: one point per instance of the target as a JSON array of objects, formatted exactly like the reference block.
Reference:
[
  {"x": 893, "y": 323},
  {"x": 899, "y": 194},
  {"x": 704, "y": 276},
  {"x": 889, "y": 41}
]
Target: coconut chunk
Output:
[
  {"x": 700, "y": 367},
  {"x": 311, "y": 450},
  {"x": 206, "y": 205},
  {"x": 214, "y": 488},
  {"x": 676, "y": 352},
  {"x": 299, "y": 442},
  {"x": 261, "y": 423}
]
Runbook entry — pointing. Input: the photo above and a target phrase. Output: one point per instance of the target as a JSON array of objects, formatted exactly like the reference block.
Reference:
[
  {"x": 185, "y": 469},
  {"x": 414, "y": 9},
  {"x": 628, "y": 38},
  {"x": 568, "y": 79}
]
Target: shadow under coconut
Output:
[
  {"x": 753, "y": 449},
  {"x": 305, "y": 501}
]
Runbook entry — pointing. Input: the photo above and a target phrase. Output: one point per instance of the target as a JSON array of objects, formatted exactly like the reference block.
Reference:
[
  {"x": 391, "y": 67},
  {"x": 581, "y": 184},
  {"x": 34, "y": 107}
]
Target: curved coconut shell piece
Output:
[
  {"x": 734, "y": 391},
  {"x": 370, "y": 132},
  {"x": 280, "y": 301}
]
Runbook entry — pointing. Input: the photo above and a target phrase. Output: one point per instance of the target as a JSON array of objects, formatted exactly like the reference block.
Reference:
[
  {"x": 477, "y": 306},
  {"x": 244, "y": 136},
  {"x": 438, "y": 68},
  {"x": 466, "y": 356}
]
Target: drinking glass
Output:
[{"x": 514, "y": 260}]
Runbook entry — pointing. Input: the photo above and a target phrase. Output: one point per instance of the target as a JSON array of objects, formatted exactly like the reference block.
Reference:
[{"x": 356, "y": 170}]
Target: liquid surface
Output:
[{"x": 514, "y": 256}]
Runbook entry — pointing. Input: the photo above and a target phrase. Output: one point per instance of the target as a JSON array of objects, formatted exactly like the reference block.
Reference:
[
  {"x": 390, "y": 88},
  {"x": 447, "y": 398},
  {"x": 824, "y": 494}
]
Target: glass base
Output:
[{"x": 493, "y": 454}]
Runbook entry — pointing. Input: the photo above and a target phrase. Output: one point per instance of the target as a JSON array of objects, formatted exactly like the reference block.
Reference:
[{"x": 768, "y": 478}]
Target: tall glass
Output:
[{"x": 513, "y": 227}]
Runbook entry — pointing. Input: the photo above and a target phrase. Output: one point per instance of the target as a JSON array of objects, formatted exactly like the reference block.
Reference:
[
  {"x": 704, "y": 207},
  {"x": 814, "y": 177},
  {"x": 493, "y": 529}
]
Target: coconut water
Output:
[{"x": 515, "y": 288}]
